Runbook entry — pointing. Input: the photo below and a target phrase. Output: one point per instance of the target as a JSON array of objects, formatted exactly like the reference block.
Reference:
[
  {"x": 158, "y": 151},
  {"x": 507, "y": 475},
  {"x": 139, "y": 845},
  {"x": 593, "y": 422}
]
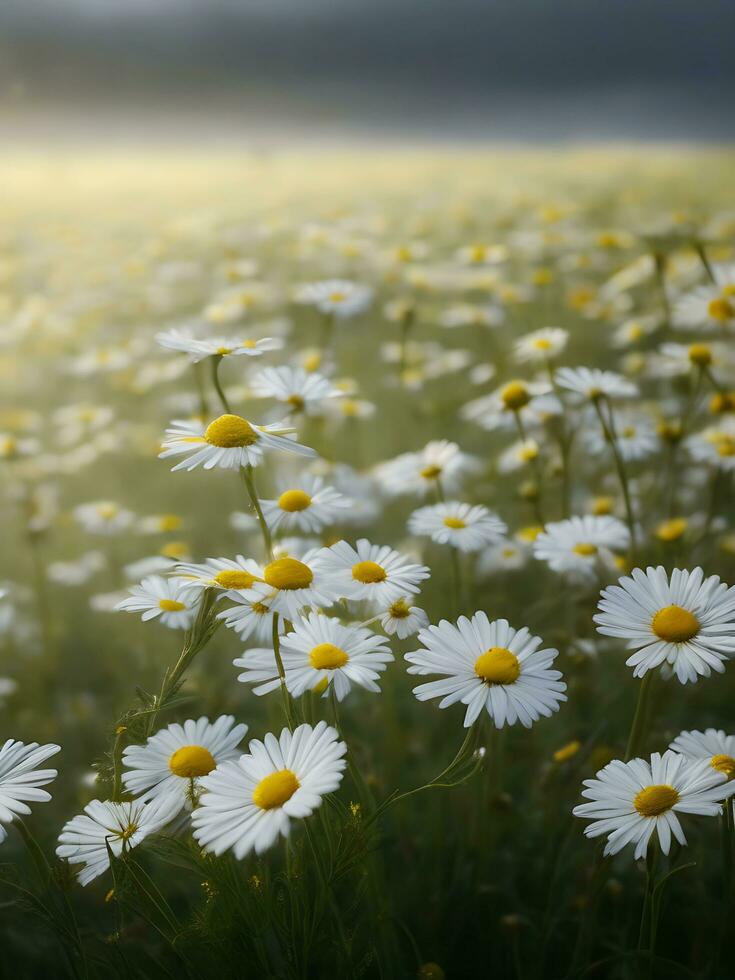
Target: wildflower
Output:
[
  {"x": 464, "y": 526},
  {"x": 370, "y": 571},
  {"x": 593, "y": 383},
  {"x": 581, "y": 545},
  {"x": 541, "y": 345},
  {"x": 287, "y": 584},
  {"x": 305, "y": 505},
  {"x": 162, "y": 598},
  {"x": 103, "y": 517},
  {"x": 21, "y": 781},
  {"x": 337, "y": 297},
  {"x": 217, "y": 346},
  {"x": 439, "y": 464},
  {"x": 228, "y": 575},
  {"x": 298, "y": 390},
  {"x": 402, "y": 619}
]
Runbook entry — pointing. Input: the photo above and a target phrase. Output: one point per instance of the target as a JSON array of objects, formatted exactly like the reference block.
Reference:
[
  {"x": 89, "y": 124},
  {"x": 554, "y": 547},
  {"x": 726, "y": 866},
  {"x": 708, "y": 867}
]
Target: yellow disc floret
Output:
[
  {"x": 171, "y": 605},
  {"x": 515, "y": 395},
  {"x": 230, "y": 432},
  {"x": 700, "y": 354},
  {"x": 585, "y": 549},
  {"x": 674, "y": 624},
  {"x": 326, "y": 656},
  {"x": 288, "y": 573},
  {"x": 456, "y": 523},
  {"x": 721, "y": 310},
  {"x": 655, "y": 800},
  {"x": 368, "y": 572},
  {"x": 724, "y": 763},
  {"x": 294, "y": 500},
  {"x": 275, "y": 790},
  {"x": 498, "y": 666},
  {"x": 190, "y": 761},
  {"x": 235, "y": 578}
]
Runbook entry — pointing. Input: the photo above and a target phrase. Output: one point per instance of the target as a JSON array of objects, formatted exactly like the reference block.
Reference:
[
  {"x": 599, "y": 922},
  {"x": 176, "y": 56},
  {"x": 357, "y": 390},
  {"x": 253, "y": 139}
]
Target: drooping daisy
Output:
[
  {"x": 305, "y": 505},
  {"x": 289, "y": 584},
  {"x": 85, "y": 839},
  {"x": 592, "y": 383},
  {"x": 229, "y": 441},
  {"x": 103, "y": 517},
  {"x": 20, "y": 780},
  {"x": 297, "y": 389},
  {"x": 712, "y": 744},
  {"x": 217, "y": 346},
  {"x": 463, "y": 526},
  {"x": 172, "y": 761},
  {"x": 249, "y": 803},
  {"x": 319, "y": 652},
  {"x": 401, "y": 619},
  {"x": 685, "y": 620},
  {"x": 541, "y": 345},
  {"x": 439, "y": 463},
  {"x": 373, "y": 572},
  {"x": 164, "y": 598},
  {"x": 581, "y": 545},
  {"x": 337, "y": 297},
  {"x": 488, "y": 665},
  {"x": 250, "y": 617},
  {"x": 631, "y": 800},
  {"x": 228, "y": 575}
]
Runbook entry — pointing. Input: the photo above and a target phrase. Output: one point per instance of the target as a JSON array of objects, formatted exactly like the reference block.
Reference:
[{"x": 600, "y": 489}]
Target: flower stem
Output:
[
  {"x": 218, "y": 385},
  {"x": 610, "y": 435},
  {"x": 637, "y": 729},
  {"x": 249, "y": 480}
]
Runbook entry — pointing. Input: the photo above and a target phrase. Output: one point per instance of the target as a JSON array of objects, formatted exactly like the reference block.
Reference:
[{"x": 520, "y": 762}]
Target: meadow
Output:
[{"x": 385, "y": 347}]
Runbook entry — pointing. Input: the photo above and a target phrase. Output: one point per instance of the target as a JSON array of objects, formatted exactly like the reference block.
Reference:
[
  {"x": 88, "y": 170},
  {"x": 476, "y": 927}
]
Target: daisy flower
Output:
[
  {"x": 227, "y": 575},
  {"x": 20, "y": 780},
  {"x": 164, "y": 598},
  {"x": 635, "y": 435},
  {"x": 103, "y": 517},
  {"x": 541, "y": 345},
  {"x": 300, "y": 390},
  {"x": 712, "y": 744},
  {"x": 249, "y": 617},
  {"x": 520, "y": 454},
  {"x": 491, "y": 666},
  {"x": 529, "y": 402},
  {"x": 710, "y": 307},
  {"x": 229, "y": 441},
  {"x": 685, "y": 620},
  {"x": 336, "y": 297},
  {"x": 578, "y": 545},
  {"x": 318, "y": 652},
  {"x": 371, "y": 571},
  {"x": 307, "y": 506},
  {"x": 714, "y": 445},
  {"x": 439, "y": 463},
  {"x": 85, "y": 839},
  {"x": 248, "y": 803},
  {"x": 462, "y": 526},
  {"x": 172, "y": 761},
  {"x": 592, "y": 383},
  {"x": 401, "y": 619},
  {"x": 500, "y": 557},
  {"x": 217, "y": 346},
  {"x": 631, "y": 800},
  {"x": 288, "y": 584}
]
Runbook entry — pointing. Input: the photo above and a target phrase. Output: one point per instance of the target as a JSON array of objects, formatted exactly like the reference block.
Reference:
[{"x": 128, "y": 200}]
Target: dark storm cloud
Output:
[{"x": 663, "y": 67}]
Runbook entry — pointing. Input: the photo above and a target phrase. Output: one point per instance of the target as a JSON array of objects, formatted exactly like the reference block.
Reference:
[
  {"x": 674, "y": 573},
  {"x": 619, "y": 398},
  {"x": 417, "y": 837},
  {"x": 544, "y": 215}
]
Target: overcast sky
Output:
[{"x": 448, "y": 68}]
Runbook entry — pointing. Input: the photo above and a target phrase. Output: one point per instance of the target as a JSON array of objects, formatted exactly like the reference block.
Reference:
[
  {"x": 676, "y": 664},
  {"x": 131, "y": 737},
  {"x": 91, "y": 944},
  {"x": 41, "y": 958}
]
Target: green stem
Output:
[
  {"x": 610, "y": 435},
  {"x": 287, "y": 704},
  {"x": 249, "y": 480},
  {"x": 637, "y": 729},
  {"x": 217, "y": 384}
]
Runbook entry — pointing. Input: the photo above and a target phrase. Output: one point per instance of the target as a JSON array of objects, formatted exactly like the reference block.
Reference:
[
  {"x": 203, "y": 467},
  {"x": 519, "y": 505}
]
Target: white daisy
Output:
[
  {"x": 164, "y": 598},
  {"x": 635, "y": 436},
  {"x": 710, "y": 307},
  {"x": 290, "y": 584},
  {"x": 250, "y": 616},
  {"x": 306, "y": 505},
  {"x": 521, "y": 453},
  {"x": 401, "y": 619},
  {"x": 460, "y": 525},
  {"x": 228, "y": 575},
  {"x": 491, "y": 666},
  {"x": 319, "y": 652},
  {"x": 85, "y": 839},
  {"x": 503, "y": 556},
  {"x": 714, "y": 445},
  {"x": 229, "y": 441},
  {"x": 712, "y": 744},
  {"x": 631, "y": 800},
  {"x": 20, "y": 780},
  {"x": 592, "y": 383},
  {"x": 103, "y": 517},
  {"x": 541, "y": 345},
  {"x": 337, "y": 297},
  {"x": 300, "y": 390},
  {"x": 172, "y": 761},
  {"x": 250, "y": 802},
  {"x": 439, "y": 463},
  {"x": 580, "y": 546},
  {"x": 686, "y": 621},
  {"x": 530, "y": 402},
  {"x": 217, "y": 346},
  {"x": 373, "y": 572}
]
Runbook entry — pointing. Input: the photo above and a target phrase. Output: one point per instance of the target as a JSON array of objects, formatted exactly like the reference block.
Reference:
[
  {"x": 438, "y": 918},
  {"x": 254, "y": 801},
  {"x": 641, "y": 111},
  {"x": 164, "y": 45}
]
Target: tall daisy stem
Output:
[
  {"x": 216, "y": 360},
  {"x": 638, "y": 728},
  {"x": 608, "y": 430},
  {"x": 287, "y": 706},
  {"x": 249, "y": 480}
]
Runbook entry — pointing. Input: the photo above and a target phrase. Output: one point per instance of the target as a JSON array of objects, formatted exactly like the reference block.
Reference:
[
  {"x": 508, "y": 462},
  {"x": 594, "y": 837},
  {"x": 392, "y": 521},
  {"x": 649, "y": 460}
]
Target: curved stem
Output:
[{"x": 217, "y": 384}]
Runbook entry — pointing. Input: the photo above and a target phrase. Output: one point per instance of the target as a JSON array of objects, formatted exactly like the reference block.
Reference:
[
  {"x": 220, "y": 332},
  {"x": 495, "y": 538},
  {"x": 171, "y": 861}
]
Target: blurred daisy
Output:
[
  {"x": 631, "y": 800},
  {"x": 337, "y": 297},
  {"x": 401, "y": 619},
  {"x": 229, "y": 441},
  {"x": 714, "y": 445},
  {"x": 592, "y": 383},
  {"x": 488, "y": 666},
  {"x": 299, "y": 390},
  {"x": 439, "y": 463},
  {"x": 502, "y": 556},
  {"x": 20, "y": 779},
  {"x": 712, "y": 744},
  {"x": 541, "y": 345},
  {"x": 521, "y": 453},
  {"x": 172, "y": 761},
  {"x": 581, "y": 544},
  {"x": 529, "y": 402},
  {"x": 373, "y": 572},
  {"x": 225, "y": 574},
  {"x": 163, "y": 598},
  {"x": 709, "y": 307},
  {"x": 460, "y": 525},
  {"x": 635, "y": 435},
  {"x": 160, "y": 524},
  {"x": 103, "y": 517},
  {"x": 250, "y": 802},
  {"x": 319, "y": 652},
  {"x": 686, "y": 621},
  {"x": 217, "y": 346},
  {"x": 307, "y": 506},
  {"x": 105, "y": 826}
]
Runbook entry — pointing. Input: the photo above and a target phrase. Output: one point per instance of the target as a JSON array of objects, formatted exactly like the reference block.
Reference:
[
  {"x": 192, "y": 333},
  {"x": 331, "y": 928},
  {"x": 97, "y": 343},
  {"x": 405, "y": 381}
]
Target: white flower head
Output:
[
  {"x": 371, "y": 572},
  {"x": 401, "y": 619},
  {"x": 463, "y": 526},
  {"x": 162, "y": 598},
  {"x": 217, "y": 346},
  {"x": 582, "y": 546},
  {"x": 21, "y": 779},
  {"x": 299, "y": 390},
  {"x": 337, "y": 297},
  {"x": 305, "y": 505},
  {"x": 541, "y": 345},
  {"x": 592, "y": 383}
]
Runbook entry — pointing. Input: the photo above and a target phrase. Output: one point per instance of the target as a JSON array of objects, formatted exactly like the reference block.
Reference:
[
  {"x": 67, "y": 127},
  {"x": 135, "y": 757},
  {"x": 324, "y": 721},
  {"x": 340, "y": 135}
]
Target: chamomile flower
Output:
[
  {"x": 21, "y": 780},
  {"x": 229, "y": 442},
  {"x": 289, "y": 584},
  {"x": 541, "y": 345},
  {"x": 317, "y": 653},
  {"x": 593, "y": 383},
  {"x": 372, "y": 572},
  {"x": 491, "y": 666},
  {"x": 401, "y": 619},
  {"x": 250, "y": 617},
  {"x": 712, "y": 744},
  {"x": 305, "y": 505},
  {"x": 298, "y": 390},
  {"x": 103, "y": 517},
  {"x": 684, "y": 620},
  {"x": 632, "y": 800},
  {"x": 163, "y": 598},
  {"x": 502, "y": 556},
  {"x": 228, "y": 575},
  {"x": 635, "y": 436},
  {"x": 172, "y": 761},
  {"x": 530, "y": 402},
  {"x": 714, "y": 445},
  {"x": 439, "y": 463},
  {"x": 336, "y": 297},
  {"x": 705, "y": 308},
  {"x": 217, "y": 346},
  {"x": 119, "y": 827},
  {"x": 522, "y": 453},
  {"x": 463, "y": 526},
  {"x": 580, "y": 546},
  {"x": 249, "y": 803}
]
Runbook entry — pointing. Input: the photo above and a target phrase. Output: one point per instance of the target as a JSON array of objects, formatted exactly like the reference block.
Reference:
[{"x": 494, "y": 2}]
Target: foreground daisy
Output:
[
  {"x": 463, "y": 526},
  {"x": 581, "y": 546},
  {"x": 488, "y": 665},
  {"x": 163, "y": 598},
  {"x": 319, "y": 652},
  {"x": 20, "y": 780},
  {"x": 306, "y": 505},
  {"x": 631, "y": 800},
  {"x": 249, "y": 617},
  {"x": 229, "y": 442},
  {"x": 686, "y": 621},
  {"x": 287, "y": 584},
  {"x": 373, "y": 572},
  {"x": 712, "y": 744},
  {"x": 248, "y": 803},
  {"x": 172, "y": 761},
  {"x": 223, "y": 574},
  {"x": 105, "y": 826}
]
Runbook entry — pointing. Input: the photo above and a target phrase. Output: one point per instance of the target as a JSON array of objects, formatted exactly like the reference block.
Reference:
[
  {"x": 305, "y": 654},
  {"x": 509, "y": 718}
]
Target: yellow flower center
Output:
[
  {"x": 700, "y": 354},
  {"x": 455, "y": 523},
  {"x": 541, "y": 343},
  {"x": 169, "y": 522},
  {"x": 326, "y": 656},
  {"x": 723, "y": 401},
  {"x": 585, "y": 549},
  {"x": 528, "y": 453},
  {"x": 654, "y": 800},
  {"x": 171, "y": 605},
  {"x": 399, "y": 609},
  {"x": 260, "y": 608},
  {"x": 530, "y": 533},
  {"x": 296, "y": 402},
  {"x": 498, "y": 666},
  {"x": 368, "y": 572},
  {"x": 175, "y": 549},
  {"x": 128, "y": 832},
  {"x": 515, "y": 395},
  {"x": 671, "y": 530},
  {"x": 275, "y": 790},
  {"x": 602, "y": 506},
  {"x": 567, "y": 751},
  {"x": 190, "y": 761},
  {"x": 724, "y": 763},
  {"x": 337, "y": 297},
  {"x": 721, "y": 310},
  {"x": 431, "y": 472},
  {"x": 235, "y": 578},
  {"x": 107, "y": 511},
  {"x": 674, "y": 624},
  {"x": 230, "y": 432},
  {"x": 294, "y": 500},
  {"x": 726, "y": 446},
  {"x": 288, "y": 573}
]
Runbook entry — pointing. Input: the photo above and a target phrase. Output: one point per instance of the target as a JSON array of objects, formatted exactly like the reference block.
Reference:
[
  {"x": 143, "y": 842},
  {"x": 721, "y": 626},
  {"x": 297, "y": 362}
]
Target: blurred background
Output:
[{"x": 268, "y": 71}]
